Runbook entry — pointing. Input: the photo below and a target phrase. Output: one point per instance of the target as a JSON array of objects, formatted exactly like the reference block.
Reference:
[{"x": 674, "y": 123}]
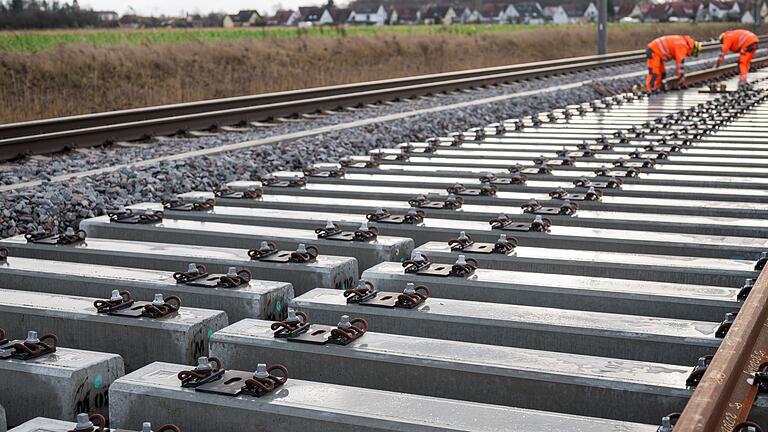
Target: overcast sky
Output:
[{"x": 177, "y": 7}]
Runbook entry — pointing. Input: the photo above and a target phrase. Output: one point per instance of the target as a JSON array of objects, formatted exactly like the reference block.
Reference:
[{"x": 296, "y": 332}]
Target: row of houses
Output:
[
  {"x": 579, "y": 11},
  {"x": 491, "y": 13},
  {"x": 505, "y": 13},
  {"x": 687, "y": 11}
]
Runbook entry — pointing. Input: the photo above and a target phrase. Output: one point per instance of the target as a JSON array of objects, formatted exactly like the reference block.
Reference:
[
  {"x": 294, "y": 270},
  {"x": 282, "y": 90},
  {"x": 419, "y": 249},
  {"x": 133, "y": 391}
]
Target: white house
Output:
[
  {"x": 374, "y": 16},
  {"x": 440, "y": 15},
  {"x": 530, "y": 13},
  {"x": 284, "y": 18},
  {"x": 556, "y": 14},
  {"x": 107, "y": 16},
  {"x": 244, "y": 18},
  {"x": 464, "y": 16},
  {"x": 591, "y": 13},
  {"x": 498, "y": 13},
  {"x": 747, "y": 18}
]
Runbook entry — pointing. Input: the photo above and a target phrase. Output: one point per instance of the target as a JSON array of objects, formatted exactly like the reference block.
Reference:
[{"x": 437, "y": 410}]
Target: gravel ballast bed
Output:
[{"x": 55, "y": 205}]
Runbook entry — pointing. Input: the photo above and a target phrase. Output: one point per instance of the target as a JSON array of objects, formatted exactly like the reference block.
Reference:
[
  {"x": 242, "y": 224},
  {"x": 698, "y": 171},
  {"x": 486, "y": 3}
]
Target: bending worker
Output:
[
  {"x": 739, "y": 41},
  {"x": 668, "y": 48}
]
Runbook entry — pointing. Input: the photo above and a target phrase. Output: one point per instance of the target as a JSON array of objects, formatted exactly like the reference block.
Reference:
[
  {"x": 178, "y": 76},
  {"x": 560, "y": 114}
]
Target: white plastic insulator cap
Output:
[
  {"x": 764, "y": 255},
  {"x": 463, "y": 236},
  {"x": 361, "y": 284},
  {"x": 502, "y": 216},
  {"x": 159, "y": 300},
  {"x": 302, "y": 249},
  {"x": 538, "y": 219},
  {"x": 69, "y": 231},
  {"x": 489, "y": 174},
  {"x": 330, "y": 225},
  {"x": 421, "y": 197},
  {"x": 567, "y": 203},
  {"x": 292, "y": 315},
  {"x": 380, "y": 211},
  {"x": 412, "y": 211},
  {"x": 409, "y": 288},
  {"x": 232, "y": 272},
  {"x": 146, "y": 427},
  {"x": 261, "y": 371},
  {"x": 591, "y": 190},
  {"x": 364, "y": 226},
  {"x": 83, "y": 422},
  {"x": 149, "y": 211},
  {"x": 532, "y": 201},
  {"x": 264, "y": 245},
  {"x": 344, "y": 323},
  {"x": 416, "y": 256},
  {"x": 192, "y": 268},
  {"x": 115, "y": 295},
  {"x": 462, "y": 260},
  {"x": 32, "y": 337},
  {"x": 503, "y": 238},
  {"x": 451, "y": 197},
  {"x": 203, "y": 363}
]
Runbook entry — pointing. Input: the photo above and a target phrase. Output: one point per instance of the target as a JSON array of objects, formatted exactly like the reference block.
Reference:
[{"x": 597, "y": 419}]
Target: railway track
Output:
[
  {"x": 52, "y": 135},
  {"x": 594, "y": 268}
]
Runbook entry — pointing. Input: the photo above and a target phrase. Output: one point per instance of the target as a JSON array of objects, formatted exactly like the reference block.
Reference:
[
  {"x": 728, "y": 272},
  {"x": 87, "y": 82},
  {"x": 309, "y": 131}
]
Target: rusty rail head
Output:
[{"x": 725, "y": 394}]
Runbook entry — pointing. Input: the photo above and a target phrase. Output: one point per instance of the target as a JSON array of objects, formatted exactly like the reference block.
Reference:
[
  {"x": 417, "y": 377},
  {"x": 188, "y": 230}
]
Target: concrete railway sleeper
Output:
[{"x": 613, "y": 314}]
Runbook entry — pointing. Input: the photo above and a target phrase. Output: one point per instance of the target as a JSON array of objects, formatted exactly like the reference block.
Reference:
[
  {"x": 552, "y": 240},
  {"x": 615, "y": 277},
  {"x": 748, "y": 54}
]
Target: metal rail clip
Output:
[
  {"x": 180, "y": 204},
  {"x": 504, "y": 223},
  {"x": 159, "y": 307},
  {"x": 464, "y": 243},
  {"x": 591, "y": 194},
  {"x": 129, "y": 216},
  {"x": 228, "y": 192},
  {"x": 118, "y": 300},
  {"x": 268, "y": 252},
  {"x": 745, "y": 289},
  {"x": 358, "y": 162},
  {"x": 384, "y": 155},
  {"x": 634, "y": 163},
  {"x": 271, "y": 180},
  {"x": 533, "y": 206},
  {"x": 725, "y": 325},
  {"x": 668, "y": 422},
  {"x": 611, "y": 183},
  {"x": 197, "y": 276},
  {"x": 297, "y": 328},
  {"x": 606, "y": 172},
  {"x": 382, "y": 215},
  {"x": 30, "y": 348},
  {"x": 463, "y": 267},
  {"x": 486, "y": 189},
  {"x": 451, "y": 202},
  {"x": 325, "y": 170},
  {"x": 762, "y": 261},
  {"x": 69, "y": 236},
  {"x": 333, "y": 232},
  {"x": 260, "y": 383},
  {"x": 366, "y": 295},
  {"x": 206, "y": 371},
  {"x": 698, "y": 371},
  {"x": 491, "y": 178}
]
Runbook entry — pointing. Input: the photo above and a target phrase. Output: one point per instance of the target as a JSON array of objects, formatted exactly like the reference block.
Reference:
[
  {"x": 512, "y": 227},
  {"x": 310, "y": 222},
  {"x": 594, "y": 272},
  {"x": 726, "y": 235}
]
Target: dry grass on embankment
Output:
[{"x": 81, "y": 78}]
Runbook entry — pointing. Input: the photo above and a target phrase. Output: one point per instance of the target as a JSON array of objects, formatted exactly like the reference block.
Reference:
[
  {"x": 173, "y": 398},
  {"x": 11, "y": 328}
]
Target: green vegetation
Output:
[{"x": 36, "y": 41}]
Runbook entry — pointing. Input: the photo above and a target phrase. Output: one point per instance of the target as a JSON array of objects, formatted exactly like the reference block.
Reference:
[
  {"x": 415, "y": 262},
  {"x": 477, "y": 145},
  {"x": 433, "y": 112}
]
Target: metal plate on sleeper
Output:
[
  {"x": 441, "y": 270},
  {"x": 278, "y": 257},
  {"x": 392, "y": 220},
  {"x": 342, "y": 236},
  {"x": 229, "y": 385},
  {"x": 317, "y": 334},
  {"x": 135, "y": 311},
  {"x": 517, "y": 227},
  {"x": 547, "y": 210},
  {"x": 481, "y": 248},
  {"x": 433, "y": 205},
  {"x": 280, "y": 184},
  {"x": 210, "y": 281},
  {"x": 470, "y": 192},
  {"x": 382, "y": 299}
]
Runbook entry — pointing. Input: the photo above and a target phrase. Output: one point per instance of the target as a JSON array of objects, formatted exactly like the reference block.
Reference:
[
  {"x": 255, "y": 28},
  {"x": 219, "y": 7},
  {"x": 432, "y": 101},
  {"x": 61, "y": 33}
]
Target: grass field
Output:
[
  {"x": 35, "y": 41},
  {"x": 59, "y": 73}
]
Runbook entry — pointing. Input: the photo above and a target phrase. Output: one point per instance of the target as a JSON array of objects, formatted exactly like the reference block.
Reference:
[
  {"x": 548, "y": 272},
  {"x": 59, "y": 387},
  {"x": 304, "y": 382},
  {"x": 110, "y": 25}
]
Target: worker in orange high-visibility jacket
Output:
[
  {"x": 668, "y": 48},
  {"x": 743, "y": 42}
]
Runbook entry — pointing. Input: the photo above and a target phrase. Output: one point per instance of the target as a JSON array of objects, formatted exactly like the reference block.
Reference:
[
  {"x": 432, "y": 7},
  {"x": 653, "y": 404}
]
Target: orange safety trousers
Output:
[
  {"x": 742, "y": 42},
  {"x": 656, "y": 70}
]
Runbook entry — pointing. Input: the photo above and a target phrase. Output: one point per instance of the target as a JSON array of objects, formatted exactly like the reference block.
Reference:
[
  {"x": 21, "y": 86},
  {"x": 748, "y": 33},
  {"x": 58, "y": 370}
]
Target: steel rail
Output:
[
  {"x": 46, "y": 136},
  {"x": 725, "y": 394}
]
